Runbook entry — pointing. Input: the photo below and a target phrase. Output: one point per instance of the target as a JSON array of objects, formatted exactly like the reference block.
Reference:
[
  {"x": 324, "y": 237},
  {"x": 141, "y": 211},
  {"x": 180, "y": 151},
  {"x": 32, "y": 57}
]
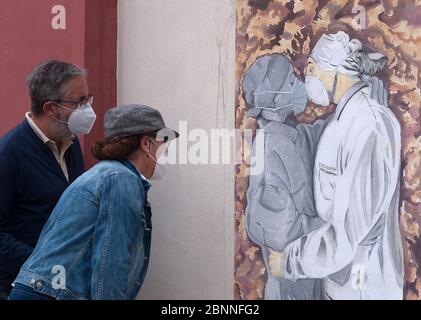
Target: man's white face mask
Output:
[
  {"x": 81, "y": 119},
  {"x": 317, "y": 93}
]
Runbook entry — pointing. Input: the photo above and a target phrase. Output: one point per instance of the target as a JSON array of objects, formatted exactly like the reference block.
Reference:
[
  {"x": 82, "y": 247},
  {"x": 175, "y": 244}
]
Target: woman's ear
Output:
[{"x": 145, "y": 144}]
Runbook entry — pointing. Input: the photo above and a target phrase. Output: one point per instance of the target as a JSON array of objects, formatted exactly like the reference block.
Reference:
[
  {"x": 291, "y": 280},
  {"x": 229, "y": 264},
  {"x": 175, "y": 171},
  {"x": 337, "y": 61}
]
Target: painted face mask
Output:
[
  {"x": 297, "y": 97},
  {"x": 81, "y": 120},
  {"x": 317, "y": 92},
  {"x": 160, "y": 168}
]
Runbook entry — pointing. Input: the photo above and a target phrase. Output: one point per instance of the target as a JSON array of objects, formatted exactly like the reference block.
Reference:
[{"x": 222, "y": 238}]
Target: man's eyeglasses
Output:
[{"x": 82, "y": 103}]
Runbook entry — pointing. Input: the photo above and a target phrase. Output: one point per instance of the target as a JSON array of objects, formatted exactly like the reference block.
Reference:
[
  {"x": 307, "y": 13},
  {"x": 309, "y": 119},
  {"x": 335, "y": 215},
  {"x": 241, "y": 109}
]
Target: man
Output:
[
  {"x": 99, "y": 234},
  {"x": 358, "y": 250},
  {"x": 280, "y": 205},
  {"x": 39, "y": 159}
]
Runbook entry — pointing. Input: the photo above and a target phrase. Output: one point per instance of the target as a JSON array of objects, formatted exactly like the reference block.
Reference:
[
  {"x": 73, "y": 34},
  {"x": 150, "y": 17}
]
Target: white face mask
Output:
[
  {"x": 160, "y": 168},
  {"x": 297, "y": 95},
  {"x": 316, "y": 91},
  {"x": 81, "y": 120},
  {"x": 160, "y": 171}
]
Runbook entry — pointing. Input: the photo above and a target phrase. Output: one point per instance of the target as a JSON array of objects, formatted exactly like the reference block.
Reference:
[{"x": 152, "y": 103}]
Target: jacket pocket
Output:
[
  {"x": 136, "y": 264},
  {"x": 327, "y": 178}
]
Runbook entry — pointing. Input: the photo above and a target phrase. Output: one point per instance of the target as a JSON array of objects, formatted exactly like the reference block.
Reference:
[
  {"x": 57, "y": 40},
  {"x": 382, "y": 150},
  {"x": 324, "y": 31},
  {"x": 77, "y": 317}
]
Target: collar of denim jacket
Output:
[{"x": 134, "y": 169}]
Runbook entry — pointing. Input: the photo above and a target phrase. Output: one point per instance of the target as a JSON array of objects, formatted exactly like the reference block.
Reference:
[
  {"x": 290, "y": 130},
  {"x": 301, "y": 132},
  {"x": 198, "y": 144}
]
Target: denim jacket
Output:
[{"x": 96, "y": 244}]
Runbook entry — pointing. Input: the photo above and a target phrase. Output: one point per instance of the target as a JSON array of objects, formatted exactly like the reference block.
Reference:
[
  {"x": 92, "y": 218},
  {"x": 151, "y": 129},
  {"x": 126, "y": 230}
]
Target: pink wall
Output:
[{"x": 28, "y": 38}]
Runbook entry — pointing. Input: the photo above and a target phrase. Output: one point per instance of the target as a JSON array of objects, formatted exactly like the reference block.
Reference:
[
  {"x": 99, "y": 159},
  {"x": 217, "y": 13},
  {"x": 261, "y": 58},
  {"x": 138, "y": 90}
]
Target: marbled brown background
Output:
[{"x": 292, "y": 27}]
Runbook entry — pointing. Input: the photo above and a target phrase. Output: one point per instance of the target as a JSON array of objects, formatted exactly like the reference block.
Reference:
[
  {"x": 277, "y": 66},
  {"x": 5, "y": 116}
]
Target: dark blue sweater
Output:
[{"x": 31, "y": 183}]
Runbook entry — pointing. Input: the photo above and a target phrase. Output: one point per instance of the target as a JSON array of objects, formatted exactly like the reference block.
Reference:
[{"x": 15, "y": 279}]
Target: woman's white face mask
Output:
[{"x": 161, "y": 169}]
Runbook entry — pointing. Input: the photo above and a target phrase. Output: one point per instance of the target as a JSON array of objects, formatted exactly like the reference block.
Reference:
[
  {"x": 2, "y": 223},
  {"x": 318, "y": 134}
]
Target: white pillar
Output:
[{"x": 179, "y": 56}]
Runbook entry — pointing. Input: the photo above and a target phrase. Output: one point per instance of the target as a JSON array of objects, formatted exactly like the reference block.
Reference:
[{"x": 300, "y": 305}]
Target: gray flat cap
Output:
[{"x": 129, "y": 120}]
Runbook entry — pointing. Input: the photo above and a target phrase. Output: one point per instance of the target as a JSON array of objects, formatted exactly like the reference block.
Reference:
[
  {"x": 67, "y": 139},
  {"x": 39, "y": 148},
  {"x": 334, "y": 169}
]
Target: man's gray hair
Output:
[{"x": 48, "y": 82}]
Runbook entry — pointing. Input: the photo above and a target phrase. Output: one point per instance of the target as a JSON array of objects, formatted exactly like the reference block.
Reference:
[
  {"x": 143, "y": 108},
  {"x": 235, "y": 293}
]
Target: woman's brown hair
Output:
[{"x": 118, "y": 148}]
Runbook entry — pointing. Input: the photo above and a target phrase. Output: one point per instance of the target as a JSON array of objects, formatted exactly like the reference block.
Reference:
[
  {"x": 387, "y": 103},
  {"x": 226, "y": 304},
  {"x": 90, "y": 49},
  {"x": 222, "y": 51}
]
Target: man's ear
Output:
[{"x": 49, "y": 107}]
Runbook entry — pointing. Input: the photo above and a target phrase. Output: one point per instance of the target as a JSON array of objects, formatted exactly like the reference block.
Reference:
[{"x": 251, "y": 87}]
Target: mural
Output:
[{"x": 341, "y": 170}]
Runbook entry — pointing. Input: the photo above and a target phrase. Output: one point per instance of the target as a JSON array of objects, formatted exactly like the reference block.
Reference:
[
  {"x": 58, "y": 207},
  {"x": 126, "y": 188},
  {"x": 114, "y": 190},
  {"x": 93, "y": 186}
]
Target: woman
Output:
[
  {"x": 96, "y": 243},
  {"x": 280, "y": 205}
]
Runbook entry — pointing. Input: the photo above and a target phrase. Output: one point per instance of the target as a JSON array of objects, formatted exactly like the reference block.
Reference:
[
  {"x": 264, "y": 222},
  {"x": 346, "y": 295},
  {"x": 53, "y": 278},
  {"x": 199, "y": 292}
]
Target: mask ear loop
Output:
[
  {"x": 272, "y": 109},
  {"x": 268, "y": 91},
  {"x": 275, "y": 92},
  {"x": 61, "y": 106},
  {"x": 149, "y": 155}
]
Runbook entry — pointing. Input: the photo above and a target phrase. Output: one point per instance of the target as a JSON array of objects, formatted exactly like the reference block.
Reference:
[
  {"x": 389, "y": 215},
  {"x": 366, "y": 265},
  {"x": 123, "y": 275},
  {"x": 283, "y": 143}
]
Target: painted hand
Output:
[{"x": 275, "y": 263}]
